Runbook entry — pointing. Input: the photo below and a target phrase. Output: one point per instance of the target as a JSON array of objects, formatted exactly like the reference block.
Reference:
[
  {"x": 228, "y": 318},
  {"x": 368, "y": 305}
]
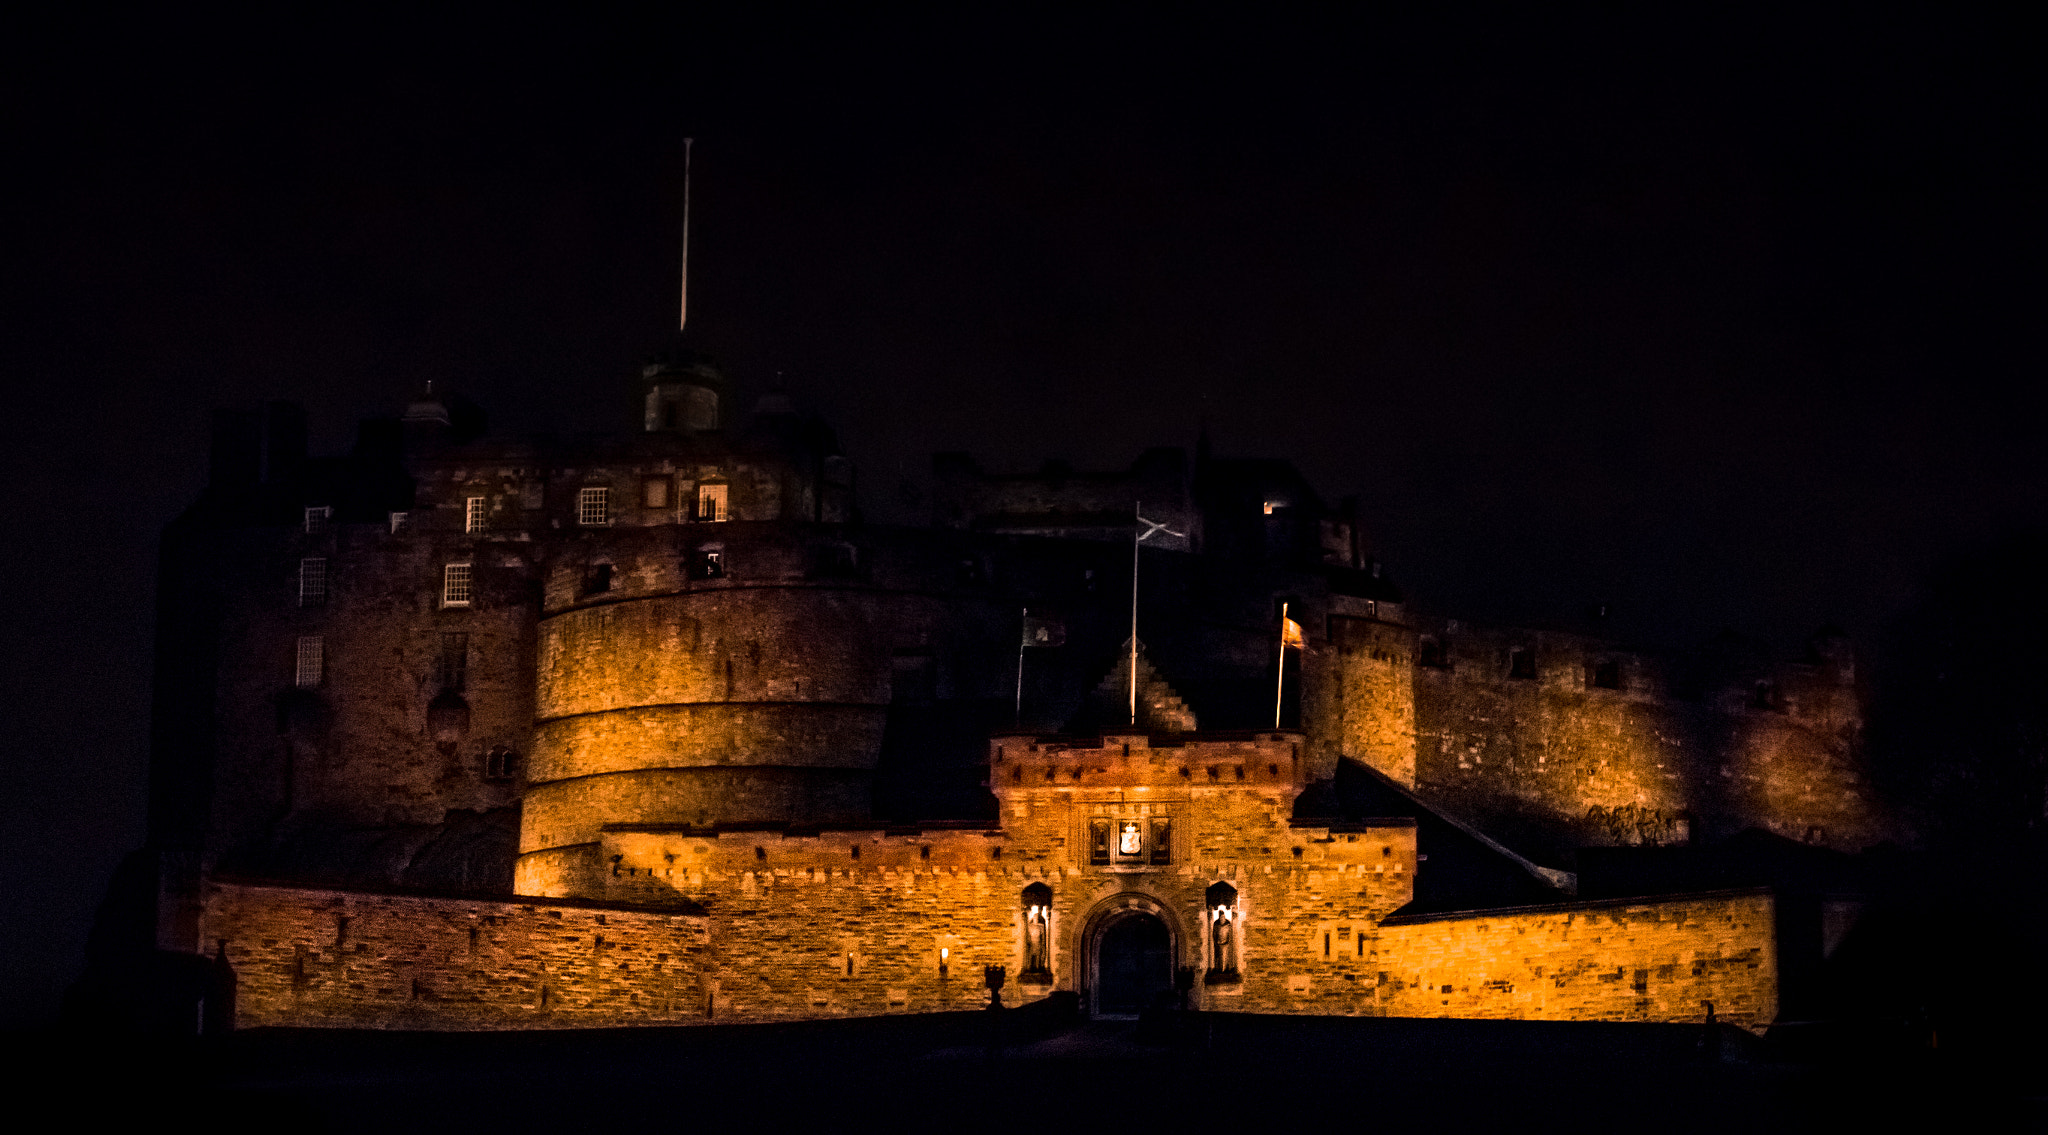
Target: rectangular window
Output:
[
  {"x": 312, "y": 581},
  {"x": 312, "y": 661},
  {"x": 473, "y": 515},
  {"x": 654, "y": 492},
  {"x": 400, "y": 521},
  {"x": 711, "y": 503},
  {"x": 453, "y": 670},
  {"x": 317, "y": 517},
  {"x": 1522, "y": 664},
  {"x": 1162, "y": 840},
  {"x": 455, "y": 585},
  {"x": 1098, "y": 841},
  {"x": 593, "y": 505}
]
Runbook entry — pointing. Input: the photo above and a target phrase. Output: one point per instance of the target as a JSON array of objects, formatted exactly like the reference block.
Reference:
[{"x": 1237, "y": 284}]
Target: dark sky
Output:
[{"x": 1726, "y": 324}]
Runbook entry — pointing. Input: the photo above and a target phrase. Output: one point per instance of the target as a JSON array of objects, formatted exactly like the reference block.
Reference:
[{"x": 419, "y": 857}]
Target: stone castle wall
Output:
[
  {"x": 1636, "y": 960},
  {"x": 1550, "y": 752},
  {"x": 339, "y": 959}
]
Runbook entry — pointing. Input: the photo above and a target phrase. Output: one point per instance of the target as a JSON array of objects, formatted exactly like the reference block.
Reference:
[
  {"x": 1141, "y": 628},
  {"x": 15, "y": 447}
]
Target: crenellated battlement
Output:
[{"x": 1137, "y": 759}]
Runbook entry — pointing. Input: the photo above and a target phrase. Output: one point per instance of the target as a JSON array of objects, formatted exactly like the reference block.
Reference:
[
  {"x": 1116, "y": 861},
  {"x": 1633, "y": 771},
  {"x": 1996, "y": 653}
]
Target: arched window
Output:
[
  {"x": 1037, "y": 931},
  {"x": 1223, "y": 917}
]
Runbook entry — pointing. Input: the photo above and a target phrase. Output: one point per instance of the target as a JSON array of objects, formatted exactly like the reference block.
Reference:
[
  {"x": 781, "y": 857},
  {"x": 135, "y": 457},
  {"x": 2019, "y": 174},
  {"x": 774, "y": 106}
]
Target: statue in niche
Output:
[
  {"x": 1037, "y": 930},
  {"x": 1222, "y": 903}
]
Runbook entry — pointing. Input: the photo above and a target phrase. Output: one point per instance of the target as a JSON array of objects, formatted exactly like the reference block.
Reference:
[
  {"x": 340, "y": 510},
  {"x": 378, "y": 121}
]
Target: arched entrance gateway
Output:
[{"x": 1131, "y": 949}]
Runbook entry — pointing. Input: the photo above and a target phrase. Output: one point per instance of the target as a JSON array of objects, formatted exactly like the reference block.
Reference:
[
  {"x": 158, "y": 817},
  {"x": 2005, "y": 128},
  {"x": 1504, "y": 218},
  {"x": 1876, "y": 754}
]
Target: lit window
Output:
[
  {"x": 654, "y": 492},
  {"x": 1271, "y": 505},
  {"x": 594, "y": 505},
  {"x": 708, "y": 563},
  {"x": 317, "y": 518},
  {"x": 711, "y": 503},
  {"x": 473, "y": 516},
  {"x": 399, "y": 522},
  {"x": 455, "y": 585},
  {"x": 312, "y": 581},
  {"x": 312, "y": 661}
]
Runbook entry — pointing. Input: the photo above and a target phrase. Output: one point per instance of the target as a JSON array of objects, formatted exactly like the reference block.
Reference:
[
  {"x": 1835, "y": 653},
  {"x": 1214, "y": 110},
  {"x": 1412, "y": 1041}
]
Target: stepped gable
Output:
[{"x": 1160, "y": 709}]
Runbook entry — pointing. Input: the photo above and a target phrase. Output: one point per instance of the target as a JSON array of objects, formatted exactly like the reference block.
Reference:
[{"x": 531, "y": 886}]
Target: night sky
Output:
[{"x": 1727, "y": 325}]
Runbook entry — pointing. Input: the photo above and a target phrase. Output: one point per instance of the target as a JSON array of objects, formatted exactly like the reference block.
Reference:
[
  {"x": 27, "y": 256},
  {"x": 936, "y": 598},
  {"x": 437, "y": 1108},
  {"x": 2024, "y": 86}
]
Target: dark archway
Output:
[{"x": 1133, "y": 964}]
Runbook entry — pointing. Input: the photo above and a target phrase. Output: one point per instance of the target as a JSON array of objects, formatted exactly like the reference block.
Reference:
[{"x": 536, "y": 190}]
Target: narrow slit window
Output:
[
  {"x": 594, "y": 506},
  {"x": 455, "y": 585},
  {"x": 453, "y": 670},
  {"x": 473, "y": 515},
  {"x": 312, "y": 661},
  {"x": 312, "y": 581}
]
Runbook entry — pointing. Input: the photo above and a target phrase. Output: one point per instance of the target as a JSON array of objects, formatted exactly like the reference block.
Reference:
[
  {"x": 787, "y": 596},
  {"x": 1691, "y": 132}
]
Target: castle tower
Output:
[{"x": 683, "y": 393}]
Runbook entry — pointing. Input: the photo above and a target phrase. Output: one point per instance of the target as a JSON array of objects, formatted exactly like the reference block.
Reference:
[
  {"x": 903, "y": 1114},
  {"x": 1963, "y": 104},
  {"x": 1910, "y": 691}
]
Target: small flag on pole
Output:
[
  {"x": 1043, "y": 632},
  {"x": 1290, "y": 633}
]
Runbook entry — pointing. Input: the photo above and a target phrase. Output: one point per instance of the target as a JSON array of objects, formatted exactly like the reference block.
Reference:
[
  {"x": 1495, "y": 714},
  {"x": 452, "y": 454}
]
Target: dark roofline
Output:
[
  {"x": 1364, "y": 823},
  {"x": 1157, "y": 738},
  {"x": 680, "y": 906},
  {"x": 789, "y": 828},
  {"x": 1552, "y": 877},
  {"x": 1568, "y": 906}
]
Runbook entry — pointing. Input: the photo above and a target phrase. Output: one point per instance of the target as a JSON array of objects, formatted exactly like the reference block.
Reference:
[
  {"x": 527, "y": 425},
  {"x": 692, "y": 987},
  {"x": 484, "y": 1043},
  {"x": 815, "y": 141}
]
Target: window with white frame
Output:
[
  {"x": 311, "y": 661},
  {"x": 473, "y": 515},
  {"x": 312, "y": 581},
  {"x": 317, "y": 517},
  {"x": 711, "y": 503},
  {"x": 455, "y": 585},
  {"x": 400, "y": 521},
  {"x": 594, "y": 505}
]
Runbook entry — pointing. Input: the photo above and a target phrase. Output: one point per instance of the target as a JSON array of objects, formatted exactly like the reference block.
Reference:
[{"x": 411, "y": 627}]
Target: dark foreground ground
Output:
[{"x": 1224, "y": 1072}]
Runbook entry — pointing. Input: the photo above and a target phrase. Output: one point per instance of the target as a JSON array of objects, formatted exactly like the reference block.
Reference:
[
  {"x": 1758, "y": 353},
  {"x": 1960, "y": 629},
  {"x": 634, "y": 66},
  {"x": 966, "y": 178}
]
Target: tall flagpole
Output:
[
  {"x": 1281, "y": 683},
  {"x": 1024, "y": 630},
  {"x": 683, "y": 310},
  {"x": 1135, "y": 539}
]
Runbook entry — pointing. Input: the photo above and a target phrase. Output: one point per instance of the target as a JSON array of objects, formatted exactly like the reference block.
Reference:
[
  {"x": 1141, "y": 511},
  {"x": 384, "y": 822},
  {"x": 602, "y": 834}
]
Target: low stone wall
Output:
[
  {"x": 1624, "y": 960},
  {"x": 306, "y": 956}
]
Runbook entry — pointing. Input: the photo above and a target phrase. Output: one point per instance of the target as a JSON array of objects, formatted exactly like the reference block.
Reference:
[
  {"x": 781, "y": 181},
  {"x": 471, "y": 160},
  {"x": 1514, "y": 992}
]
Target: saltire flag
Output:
[
  {"x": 1291, "y": 634},
  {"x": 1041, "y": 631}
]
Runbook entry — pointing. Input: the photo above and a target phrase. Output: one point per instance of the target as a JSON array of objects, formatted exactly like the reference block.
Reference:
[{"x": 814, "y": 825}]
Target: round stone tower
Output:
[{"x": 712, "y": 649}]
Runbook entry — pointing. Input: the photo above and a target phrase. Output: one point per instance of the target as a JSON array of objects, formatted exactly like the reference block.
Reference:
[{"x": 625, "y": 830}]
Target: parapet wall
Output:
[
  {"x": 1629, "y": 960},
  {"x": 306, "y": 956}
]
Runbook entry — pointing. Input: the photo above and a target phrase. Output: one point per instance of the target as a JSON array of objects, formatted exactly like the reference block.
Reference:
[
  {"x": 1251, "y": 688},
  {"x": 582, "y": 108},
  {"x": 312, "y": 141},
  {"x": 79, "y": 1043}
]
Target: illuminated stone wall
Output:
[
  {"x": 1656, "y": 960},
  {"x": 327, "y": 958},
  {"x": 1551, "y": 757},
  {"x": 802, "y": 923}
]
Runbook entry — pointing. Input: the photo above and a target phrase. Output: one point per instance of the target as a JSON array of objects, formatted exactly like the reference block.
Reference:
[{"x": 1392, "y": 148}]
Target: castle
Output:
[{"x": 460, "y": 732}]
